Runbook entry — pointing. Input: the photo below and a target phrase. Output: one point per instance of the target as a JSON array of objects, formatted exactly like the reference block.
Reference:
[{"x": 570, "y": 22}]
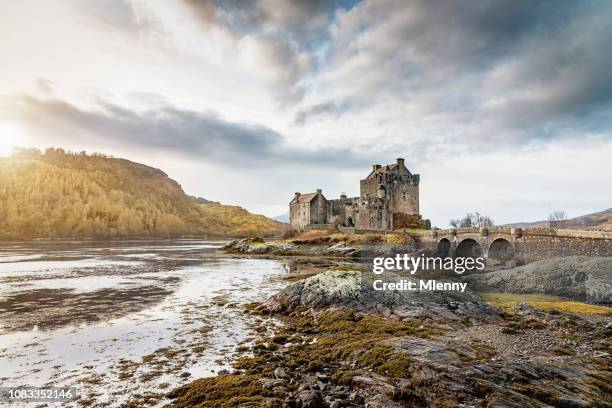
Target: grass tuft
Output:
[{"x": 507, "y": 301}]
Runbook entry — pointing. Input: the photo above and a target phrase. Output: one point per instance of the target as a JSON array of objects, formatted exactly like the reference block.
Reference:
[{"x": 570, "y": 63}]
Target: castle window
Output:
[{"x": 405, "y": 196}]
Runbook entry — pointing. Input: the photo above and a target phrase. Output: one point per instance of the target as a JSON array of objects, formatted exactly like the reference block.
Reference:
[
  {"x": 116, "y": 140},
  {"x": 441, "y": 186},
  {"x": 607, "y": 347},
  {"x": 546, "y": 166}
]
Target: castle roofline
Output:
[
  {"x": 387, "y": 168},
  {"x": 306, "y": 198}
]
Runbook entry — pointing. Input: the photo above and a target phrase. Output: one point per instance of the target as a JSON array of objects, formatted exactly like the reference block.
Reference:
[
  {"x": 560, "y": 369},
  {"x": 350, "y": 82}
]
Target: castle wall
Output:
[
  {"x": 405, "y": 196},
  {"x": 341, "y": 211},
  {"x": 299, "y": 215},
  {"x": 362, "y": 213},
  {"x": 369, "y": 187},
  {"x": 318, "y": 210},
  {"x": 374, "y": 217}
]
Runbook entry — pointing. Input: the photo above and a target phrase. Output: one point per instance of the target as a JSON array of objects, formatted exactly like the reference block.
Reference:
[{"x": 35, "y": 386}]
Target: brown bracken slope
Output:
[{"x": 599, "y": 221}]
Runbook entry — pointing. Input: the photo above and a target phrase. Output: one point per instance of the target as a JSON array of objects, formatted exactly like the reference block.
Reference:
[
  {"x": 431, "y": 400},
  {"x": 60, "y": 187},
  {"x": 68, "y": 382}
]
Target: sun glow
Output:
[{"x": 11, "y": 136}]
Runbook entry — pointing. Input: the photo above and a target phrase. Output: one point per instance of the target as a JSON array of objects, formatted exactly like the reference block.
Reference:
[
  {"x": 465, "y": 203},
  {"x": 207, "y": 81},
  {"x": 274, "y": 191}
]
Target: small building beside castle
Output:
[{"x": 388, "y": 200}]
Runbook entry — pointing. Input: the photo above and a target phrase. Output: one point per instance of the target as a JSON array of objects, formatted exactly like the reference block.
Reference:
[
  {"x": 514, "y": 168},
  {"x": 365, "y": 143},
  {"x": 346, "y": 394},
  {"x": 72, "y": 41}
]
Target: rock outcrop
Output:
[
  {"x": 586, "y": 279},
  {"x": 355, "y": 289},
  {"x": 249, "y": 246}
]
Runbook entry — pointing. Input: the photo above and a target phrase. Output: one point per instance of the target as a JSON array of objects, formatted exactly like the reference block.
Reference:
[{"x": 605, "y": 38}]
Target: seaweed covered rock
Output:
[
  {"x": 582, "y": 278},
  {"x": 343, "y": 358},
  {"x": 334, "y": 245},
  {"x": 253, "y": 245},
  {"x": 355, "y": 289}
]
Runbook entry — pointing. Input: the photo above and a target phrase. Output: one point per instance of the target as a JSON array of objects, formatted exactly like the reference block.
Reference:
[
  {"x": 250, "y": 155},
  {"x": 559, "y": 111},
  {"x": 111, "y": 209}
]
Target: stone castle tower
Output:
[
  {"x": 388, "y": 199},
  {"x": 394, "y": 183}
]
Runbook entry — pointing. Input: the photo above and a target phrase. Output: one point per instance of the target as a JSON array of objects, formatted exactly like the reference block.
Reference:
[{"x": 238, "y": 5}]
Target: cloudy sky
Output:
[{"x": 504, "y": 107}]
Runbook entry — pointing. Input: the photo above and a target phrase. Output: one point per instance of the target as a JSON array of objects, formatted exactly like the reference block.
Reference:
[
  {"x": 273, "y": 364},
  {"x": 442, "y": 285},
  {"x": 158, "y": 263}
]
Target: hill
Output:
[
  {"x": 282, "y": 218},
  {"x": 67, "y": 195},
  {"x": 601, "y": 220}
]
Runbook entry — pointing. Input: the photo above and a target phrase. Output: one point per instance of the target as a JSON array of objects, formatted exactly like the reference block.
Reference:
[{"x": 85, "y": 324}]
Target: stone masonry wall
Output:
[
  {"x": 318, "y": 210},
  {"x": 299, "y": 215},
  {"x": 532, "y": 248},
  {"x": 405, "y": 196},
  {"x": 529, "y": 244}
]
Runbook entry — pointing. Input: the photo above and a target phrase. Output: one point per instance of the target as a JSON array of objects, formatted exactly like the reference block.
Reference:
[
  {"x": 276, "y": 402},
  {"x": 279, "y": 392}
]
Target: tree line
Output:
[
  {"x": 59, "y": 194},
  {"x": 556, "y": 219},
  {"x": 472, "y": 220}
]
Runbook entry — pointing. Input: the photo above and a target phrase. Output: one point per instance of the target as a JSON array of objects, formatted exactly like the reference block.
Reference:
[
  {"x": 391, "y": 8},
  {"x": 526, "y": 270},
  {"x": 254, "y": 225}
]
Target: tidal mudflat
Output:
[{"x": 125, "y": 321}]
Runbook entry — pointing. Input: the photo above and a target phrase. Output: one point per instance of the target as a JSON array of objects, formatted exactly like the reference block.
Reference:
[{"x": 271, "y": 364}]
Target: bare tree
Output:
[
  {"x": 485, "y": 221},
  {"x": 455, "y": 223},
  {"x": 473, "y": 220},
  {"x": 466, "y": 222},
  {"x": 556, "y": 219}
]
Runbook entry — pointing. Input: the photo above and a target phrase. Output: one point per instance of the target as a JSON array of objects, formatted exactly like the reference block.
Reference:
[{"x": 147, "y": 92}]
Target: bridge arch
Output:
[
  {"x": 500, "y": 251},
  {"x": 444, "y": 248},
  {"x": 469, "y": 248}
]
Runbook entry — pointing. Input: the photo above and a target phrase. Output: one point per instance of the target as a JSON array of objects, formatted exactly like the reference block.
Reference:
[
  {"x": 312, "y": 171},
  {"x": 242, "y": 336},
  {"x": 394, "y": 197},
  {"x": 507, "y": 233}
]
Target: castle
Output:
[{"x": 388, "y": 200}]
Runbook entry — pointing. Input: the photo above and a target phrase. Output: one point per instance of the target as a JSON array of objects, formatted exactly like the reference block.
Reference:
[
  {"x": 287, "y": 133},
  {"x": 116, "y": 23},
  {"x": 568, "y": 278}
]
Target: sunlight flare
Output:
[{"x": 10, "y": 137}]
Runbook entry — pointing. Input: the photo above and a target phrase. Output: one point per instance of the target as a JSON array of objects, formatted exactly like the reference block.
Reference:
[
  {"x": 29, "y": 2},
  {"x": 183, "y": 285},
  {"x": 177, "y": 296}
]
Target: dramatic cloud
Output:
[
  {"x": 191, "y": 134},
  {"x": 278, "y": 61},
  {"x": 302, "y": 21},
  {"x": 276, "y": 39},
  {"x": 505, "y": 71}
]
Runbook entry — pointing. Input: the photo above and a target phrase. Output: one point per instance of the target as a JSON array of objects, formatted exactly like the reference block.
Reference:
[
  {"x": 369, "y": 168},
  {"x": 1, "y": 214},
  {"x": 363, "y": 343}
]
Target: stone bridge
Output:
[{"x": 511, "y": 246}]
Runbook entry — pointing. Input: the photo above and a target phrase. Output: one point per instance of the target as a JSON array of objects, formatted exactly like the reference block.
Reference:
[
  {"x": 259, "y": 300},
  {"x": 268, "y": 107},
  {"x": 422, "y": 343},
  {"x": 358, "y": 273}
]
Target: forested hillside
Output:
[{"x": 68, "y": 195}]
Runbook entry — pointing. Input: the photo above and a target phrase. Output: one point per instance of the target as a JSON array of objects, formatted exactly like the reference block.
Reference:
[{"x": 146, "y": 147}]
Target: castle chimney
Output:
[
  {"x": 400, "y": 161},
  {"x": 375, "y": 167},
  {"x": 297, "y": 195},
  {"x": 319, "y": 191}
]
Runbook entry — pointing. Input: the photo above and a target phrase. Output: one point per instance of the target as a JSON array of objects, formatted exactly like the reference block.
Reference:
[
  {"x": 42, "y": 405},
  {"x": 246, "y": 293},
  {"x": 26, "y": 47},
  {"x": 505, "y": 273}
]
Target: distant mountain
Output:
[
  {"x": 596, "y": 221},
  {"x": 68, "y": 195},
  {"x": 282, "y": 218}
]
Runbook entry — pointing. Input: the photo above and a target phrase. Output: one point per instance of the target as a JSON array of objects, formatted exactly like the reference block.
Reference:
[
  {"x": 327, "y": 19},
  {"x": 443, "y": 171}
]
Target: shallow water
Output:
[{"x": 118, "y": 320}]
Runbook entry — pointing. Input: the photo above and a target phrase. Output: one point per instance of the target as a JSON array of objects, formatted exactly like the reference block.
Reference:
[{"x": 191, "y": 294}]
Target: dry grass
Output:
[
  {"x": 312, "y": 234},
  {"x": 509, "y": 300},
  {"x": 357, "y": 238},
  {"x": 366, "y": 239},
  {"x": 397, "y": 239},
  {"x": 319, "y": 237},
  {"x": 413, "y": 230}
]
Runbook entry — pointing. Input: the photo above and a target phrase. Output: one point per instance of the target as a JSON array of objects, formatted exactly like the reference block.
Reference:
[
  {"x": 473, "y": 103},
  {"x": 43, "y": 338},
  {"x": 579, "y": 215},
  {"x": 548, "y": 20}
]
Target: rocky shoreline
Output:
[
  {"x": 334, "y": 245},
  {"x": 581, "y": 278},
  {"x": 342, "y": 345}
]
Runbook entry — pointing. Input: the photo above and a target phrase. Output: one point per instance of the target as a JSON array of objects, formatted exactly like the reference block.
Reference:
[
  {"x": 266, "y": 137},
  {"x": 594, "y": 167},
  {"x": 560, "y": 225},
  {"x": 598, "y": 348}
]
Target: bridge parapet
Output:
[
  {"x": 526, "y": 244},
  {"x": 549, "y": 232},
  {"x": 568, "y": 233}
]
